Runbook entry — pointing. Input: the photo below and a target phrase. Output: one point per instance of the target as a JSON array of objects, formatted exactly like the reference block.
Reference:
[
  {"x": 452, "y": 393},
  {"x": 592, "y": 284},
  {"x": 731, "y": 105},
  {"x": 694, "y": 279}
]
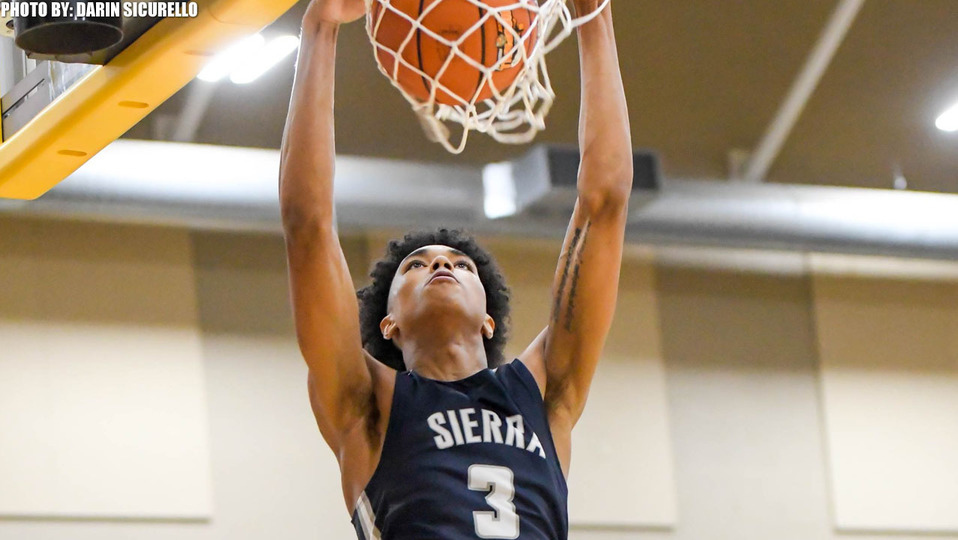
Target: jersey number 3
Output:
[{"x": 503, "y": 522}]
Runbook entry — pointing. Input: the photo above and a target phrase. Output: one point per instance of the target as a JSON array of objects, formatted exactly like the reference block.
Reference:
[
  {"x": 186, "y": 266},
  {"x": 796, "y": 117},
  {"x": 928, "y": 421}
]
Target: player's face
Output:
[{"x": 437, "y": 285}]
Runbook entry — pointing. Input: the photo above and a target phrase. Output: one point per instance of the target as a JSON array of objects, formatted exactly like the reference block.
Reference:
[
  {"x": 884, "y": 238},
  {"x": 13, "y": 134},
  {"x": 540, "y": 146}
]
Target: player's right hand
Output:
[{"x": 334, "y": 11}]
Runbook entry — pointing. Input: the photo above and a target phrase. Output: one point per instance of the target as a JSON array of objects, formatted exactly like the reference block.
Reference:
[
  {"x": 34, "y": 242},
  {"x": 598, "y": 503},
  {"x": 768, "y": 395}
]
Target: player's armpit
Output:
[{"x": 361, "y": 438}]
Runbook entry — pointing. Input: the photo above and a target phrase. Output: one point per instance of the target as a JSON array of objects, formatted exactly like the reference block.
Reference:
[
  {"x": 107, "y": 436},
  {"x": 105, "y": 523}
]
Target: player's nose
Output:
[{"x": 441, "y": 262}]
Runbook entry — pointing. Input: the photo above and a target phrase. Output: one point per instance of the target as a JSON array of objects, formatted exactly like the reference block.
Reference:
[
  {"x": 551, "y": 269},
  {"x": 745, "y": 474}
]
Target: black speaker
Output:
[{"x": 71, "y": 32}]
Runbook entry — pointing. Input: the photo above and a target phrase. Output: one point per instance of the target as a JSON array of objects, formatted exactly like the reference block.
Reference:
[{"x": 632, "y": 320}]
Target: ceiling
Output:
[{"x": 703, "y": 77}]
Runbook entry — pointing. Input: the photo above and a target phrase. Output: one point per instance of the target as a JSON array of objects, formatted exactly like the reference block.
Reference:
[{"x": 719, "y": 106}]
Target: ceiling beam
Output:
[{"x": 818, "y": 60}]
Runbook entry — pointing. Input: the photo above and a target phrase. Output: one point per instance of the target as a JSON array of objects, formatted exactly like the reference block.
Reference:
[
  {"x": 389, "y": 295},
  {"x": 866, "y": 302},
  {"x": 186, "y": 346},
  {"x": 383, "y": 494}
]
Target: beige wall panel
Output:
[
  {"x": 102, "y": 397},
  {"x": 888, "y": 343},
  {"x": 274, "y": 475},
  {"x": 622, "y": 445},
  {"x": 742, "y": 391},
  {"x": 888, "y": 339}
]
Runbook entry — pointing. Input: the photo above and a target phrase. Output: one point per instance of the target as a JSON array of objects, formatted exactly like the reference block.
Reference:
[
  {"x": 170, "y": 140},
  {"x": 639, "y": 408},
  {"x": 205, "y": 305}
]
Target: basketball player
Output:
[{"x": 432, "y": 442}]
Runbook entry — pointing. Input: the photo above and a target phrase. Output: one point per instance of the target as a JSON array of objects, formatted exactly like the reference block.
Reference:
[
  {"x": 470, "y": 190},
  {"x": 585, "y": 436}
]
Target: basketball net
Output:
[{"x": 514, "y": 114}]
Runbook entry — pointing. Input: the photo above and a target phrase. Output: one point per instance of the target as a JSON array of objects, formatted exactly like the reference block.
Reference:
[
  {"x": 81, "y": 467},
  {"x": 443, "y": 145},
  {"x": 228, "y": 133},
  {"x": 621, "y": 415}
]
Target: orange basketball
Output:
[{"x": 488, "y": 44}]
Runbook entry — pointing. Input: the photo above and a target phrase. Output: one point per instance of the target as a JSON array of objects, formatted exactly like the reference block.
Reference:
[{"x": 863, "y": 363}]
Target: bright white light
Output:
[
  {"x": 900, "y": 182},
  {"x": 948, "y": 121},
  {"x": 267, "y": 57},
  {"x": 179, "y": 172},
  {"x": 225, "y": 62},
  {"x": 499, "y": 190}
]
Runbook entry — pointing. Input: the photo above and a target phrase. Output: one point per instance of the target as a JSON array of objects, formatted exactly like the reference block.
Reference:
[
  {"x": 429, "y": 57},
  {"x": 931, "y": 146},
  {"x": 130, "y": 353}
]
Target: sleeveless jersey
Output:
[{"x": 466, "y": 459}]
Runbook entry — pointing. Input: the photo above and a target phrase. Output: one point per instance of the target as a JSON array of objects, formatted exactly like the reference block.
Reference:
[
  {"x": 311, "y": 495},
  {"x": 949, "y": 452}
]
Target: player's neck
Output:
[{"x": 449, "y": 359}]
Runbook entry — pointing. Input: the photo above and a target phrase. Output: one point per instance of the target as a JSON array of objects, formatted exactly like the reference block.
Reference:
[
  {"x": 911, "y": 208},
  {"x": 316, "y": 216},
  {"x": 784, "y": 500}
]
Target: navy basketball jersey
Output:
[{"x": 466, "y": 459}]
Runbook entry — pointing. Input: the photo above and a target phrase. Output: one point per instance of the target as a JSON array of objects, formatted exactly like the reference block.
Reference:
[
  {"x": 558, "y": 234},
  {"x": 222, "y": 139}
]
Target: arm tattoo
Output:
[
  {"x": 570, "y": 305},
  {"x": 557, "y": 305}
]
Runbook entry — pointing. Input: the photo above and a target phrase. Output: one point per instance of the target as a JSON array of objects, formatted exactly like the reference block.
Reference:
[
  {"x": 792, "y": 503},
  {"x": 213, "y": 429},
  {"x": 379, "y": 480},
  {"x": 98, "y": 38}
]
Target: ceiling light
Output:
[
  {"x": 948, "y": 121},
  {"x": 267, "y": 57},
  {"x": 228, "y": 60},
  {"x": 499, "y": 190}
]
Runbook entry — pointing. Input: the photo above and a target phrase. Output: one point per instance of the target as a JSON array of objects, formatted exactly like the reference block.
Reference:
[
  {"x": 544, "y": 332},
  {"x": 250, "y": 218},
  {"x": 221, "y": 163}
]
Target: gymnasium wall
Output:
[{"x": 150, "y": 387}]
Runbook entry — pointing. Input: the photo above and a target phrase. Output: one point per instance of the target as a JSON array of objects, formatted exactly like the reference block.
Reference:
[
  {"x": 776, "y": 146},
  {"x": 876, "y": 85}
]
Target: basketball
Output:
[{"x": 481, "y": 37}]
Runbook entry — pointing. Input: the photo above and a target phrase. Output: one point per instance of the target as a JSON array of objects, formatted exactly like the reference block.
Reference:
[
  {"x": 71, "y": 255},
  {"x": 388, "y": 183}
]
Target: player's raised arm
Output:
[
  {"x": 586, "y": 280},
  {"x": 324, "y": 300}
]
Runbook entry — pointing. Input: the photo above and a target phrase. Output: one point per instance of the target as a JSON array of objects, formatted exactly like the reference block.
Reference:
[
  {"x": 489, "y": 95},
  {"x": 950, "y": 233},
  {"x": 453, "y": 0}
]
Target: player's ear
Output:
[
  {"x": 388, "y": 327},
  {"x": 488, "y": 327}
]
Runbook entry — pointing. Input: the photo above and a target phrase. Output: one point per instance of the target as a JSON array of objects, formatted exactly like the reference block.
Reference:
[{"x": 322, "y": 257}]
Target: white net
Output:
[{"x": 513, "y": 93}]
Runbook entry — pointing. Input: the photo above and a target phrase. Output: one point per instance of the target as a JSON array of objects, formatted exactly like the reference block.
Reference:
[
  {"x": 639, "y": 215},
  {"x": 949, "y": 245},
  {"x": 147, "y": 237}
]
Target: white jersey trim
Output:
[{"x": 367, "y": 518}]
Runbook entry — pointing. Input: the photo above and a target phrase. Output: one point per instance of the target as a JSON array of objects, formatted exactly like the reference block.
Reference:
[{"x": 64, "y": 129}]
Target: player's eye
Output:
[
  {"x": 415, "y": 264},
  {"x": 463, "y": 264}
]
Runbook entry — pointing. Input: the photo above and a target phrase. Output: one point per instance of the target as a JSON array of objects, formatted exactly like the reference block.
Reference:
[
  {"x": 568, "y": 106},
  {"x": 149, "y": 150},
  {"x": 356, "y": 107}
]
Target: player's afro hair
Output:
[{"x": 373, "y": 298}]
